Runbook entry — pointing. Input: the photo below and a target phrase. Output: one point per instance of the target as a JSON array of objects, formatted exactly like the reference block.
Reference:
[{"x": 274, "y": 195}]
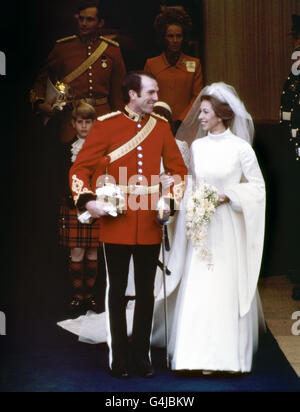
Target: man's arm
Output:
[
  {"x": 38, "y": 91},
  {"x": 82, "y": 171}
]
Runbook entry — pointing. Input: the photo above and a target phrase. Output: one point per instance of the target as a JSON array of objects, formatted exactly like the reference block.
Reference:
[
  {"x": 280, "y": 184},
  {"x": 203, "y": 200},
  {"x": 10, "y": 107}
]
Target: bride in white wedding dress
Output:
[{"x": 218, "y": 314}]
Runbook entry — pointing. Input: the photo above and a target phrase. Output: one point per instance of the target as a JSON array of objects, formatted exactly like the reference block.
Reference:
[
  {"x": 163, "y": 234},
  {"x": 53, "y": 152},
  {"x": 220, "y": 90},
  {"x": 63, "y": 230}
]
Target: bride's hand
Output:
[{"x": 223, "y": 199}]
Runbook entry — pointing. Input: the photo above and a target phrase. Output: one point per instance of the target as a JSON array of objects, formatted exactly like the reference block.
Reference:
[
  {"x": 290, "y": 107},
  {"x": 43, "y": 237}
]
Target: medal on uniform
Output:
[
  {"x": 104, "y": 62},
  {"x": 190, "y": 66}
]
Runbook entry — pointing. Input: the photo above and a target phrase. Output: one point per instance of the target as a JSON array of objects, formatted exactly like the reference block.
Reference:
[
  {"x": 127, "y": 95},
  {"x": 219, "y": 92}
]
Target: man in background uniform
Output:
[
  {"x": 87, "y": 66},
  {"x": 290, "y": 121}
]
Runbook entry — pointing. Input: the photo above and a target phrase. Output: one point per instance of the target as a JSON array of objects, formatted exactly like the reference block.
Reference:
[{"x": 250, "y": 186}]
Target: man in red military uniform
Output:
[
  {"x": 90, "y": 66},
  {"x": 129, "y": 147}
]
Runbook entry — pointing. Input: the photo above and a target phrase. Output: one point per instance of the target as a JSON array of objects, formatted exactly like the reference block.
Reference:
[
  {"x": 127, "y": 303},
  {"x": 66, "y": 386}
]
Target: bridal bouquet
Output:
[{"x": 200, "y": 207}]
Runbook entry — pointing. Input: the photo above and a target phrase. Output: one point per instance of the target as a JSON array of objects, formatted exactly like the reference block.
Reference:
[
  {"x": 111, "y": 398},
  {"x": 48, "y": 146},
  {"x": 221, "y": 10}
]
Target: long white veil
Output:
[{"x": 242, "y": 124}]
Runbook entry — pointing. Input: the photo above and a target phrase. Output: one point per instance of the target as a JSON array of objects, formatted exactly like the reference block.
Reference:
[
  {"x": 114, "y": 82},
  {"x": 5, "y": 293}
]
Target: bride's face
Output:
[{"x": 210, "y": 122}]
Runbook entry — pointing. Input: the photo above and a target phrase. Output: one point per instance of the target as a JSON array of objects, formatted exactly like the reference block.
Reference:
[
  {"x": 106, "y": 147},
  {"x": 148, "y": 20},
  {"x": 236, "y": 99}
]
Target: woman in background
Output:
[{"x": 179, "y": 76}]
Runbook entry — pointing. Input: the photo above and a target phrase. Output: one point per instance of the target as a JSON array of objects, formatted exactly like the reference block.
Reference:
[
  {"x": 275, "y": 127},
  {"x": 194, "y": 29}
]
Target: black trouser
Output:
[{"x": 145, "y": 258}]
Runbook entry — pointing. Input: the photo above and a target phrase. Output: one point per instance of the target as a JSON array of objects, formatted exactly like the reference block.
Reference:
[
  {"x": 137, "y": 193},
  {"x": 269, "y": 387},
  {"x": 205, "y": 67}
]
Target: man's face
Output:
[
  {"x": 143, "y": 103},
  {"x": 88, "y": 22}
]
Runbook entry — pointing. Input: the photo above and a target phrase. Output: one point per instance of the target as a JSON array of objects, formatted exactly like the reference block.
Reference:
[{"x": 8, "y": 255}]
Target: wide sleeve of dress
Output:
[{"x": 248, "y": 199}]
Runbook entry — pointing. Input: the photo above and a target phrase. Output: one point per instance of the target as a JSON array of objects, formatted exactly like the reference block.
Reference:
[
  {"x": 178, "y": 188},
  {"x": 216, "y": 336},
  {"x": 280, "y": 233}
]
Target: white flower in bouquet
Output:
[{"x": 200, "y": 207}]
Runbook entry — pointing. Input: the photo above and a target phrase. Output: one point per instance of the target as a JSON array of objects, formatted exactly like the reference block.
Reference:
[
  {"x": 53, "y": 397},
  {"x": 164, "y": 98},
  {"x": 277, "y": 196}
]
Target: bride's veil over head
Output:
[{"x": 242, "y": 124}]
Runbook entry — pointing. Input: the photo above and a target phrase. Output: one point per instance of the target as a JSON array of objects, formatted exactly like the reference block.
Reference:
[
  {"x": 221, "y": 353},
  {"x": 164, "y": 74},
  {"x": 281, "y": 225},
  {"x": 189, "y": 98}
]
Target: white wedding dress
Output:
[{"x": 218, "y": 314}]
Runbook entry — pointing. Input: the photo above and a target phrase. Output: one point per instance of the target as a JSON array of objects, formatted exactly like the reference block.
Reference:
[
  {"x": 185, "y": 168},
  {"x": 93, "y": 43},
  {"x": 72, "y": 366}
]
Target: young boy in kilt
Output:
[{"x": 81, "y": 239}]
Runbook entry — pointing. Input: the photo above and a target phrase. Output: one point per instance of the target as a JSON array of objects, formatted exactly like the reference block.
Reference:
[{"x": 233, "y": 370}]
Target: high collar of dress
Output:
[
  {"x": 133, "y": 116},
  {"x": 219, "y": 135}
]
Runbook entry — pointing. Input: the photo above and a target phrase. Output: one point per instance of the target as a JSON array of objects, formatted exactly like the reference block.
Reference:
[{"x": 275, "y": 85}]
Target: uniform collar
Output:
[
  {"x": 132, "y": 115},
  {"x": 89, "y": 40}
]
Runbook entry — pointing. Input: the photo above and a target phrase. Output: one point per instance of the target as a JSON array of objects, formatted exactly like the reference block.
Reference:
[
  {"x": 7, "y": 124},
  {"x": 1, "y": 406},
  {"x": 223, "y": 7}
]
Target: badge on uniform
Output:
[
  {"x": 104, "y": 62},
  {"x": 190, "y": 66}
]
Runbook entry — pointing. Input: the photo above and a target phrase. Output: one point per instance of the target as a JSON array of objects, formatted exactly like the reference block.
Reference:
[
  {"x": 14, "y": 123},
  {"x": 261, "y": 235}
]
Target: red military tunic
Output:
[
  {"x": 102, "y": 80},
  {"x": 135, "y": 226},
  {"x": 179, "y": 85}
]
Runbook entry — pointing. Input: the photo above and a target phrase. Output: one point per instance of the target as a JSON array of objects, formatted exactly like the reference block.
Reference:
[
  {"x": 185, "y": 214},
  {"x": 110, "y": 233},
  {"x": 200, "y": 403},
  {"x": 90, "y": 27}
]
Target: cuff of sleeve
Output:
[{"x": 234, "y": 201}]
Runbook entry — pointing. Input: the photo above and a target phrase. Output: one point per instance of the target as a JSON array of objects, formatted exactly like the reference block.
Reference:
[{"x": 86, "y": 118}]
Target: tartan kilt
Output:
[{"x": 72, "y": 233}]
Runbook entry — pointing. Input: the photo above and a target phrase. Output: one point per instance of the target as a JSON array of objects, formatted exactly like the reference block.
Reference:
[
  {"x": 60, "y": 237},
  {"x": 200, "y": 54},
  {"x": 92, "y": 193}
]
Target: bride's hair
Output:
[{"x": 221, "y": 109}]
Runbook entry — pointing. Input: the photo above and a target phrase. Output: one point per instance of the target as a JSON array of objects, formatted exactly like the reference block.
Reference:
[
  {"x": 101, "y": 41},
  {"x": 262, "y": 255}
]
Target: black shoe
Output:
[
  {"x": 76, "y": 307},
  {"x": 91, "y": 304},
  {"x": 144, "y": 368},
  {"x": 76, "y": 304},
  {"x": 120, "y": 370}
]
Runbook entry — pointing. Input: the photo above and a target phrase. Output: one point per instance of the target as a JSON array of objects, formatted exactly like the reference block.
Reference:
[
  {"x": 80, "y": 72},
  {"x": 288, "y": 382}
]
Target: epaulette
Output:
[
  {"x": 114, "y": 43},
  {"x": 159, "y": 116},
  {"x": 66, "y": 38},
  {"x": 108, "y": 116}
]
